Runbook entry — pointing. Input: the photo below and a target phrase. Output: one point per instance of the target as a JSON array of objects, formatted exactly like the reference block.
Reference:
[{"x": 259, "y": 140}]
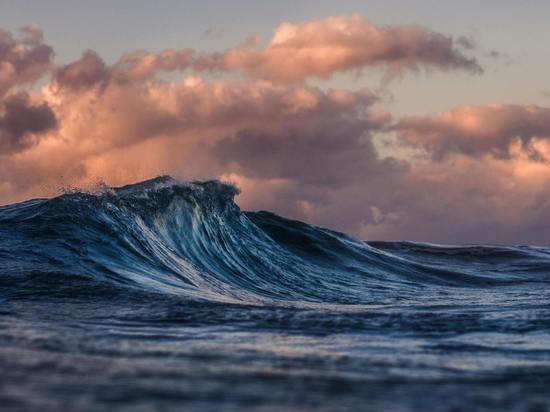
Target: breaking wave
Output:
[{"x": 192, "y": 240}]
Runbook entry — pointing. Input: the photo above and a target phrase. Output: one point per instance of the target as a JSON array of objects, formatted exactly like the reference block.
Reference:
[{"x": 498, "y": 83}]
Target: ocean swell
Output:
[{"x": 192, "y": 240}]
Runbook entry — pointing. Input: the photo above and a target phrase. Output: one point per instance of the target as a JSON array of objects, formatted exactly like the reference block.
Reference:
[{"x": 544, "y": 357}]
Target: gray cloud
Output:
[
  {"x": 21, "y": 122},
  {"x": 23, "y": 59},
  {"x": 87, "y": 72},
  {"x": 324, "y": 151}
]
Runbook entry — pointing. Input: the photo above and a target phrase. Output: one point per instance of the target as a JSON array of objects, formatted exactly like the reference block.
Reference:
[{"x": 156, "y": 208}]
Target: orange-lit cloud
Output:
[
  {"x": 320, "y": 48},
  {"x": 193, "y": 127},
  {"x": 315, "y": 48},
  {"x": 303, "y": 151},
  {"x": 479, "y": 130}
]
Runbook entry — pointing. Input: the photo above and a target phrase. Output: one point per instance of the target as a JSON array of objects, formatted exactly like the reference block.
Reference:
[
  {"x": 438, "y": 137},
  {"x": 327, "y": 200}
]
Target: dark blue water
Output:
[{"x": 166, "y": 296}]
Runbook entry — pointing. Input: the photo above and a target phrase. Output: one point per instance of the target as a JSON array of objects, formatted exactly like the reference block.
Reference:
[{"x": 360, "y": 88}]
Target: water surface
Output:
[{"x": 166, "y": 296}]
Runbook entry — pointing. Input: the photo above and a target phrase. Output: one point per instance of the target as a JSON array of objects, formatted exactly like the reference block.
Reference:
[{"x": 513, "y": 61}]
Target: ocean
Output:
[{"x": 164, "y": 295}]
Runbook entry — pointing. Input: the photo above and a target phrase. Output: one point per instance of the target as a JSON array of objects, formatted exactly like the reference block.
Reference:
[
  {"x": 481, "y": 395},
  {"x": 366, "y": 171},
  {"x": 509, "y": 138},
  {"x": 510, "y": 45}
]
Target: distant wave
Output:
[{"x": 191, "y": 239}]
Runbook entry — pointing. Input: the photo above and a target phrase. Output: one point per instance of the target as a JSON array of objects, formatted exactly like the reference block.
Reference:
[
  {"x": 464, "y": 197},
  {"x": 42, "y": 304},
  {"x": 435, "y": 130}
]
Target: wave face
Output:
[
  {"x": 146, "y": 265},
  {"x": 191, "y": 239}
]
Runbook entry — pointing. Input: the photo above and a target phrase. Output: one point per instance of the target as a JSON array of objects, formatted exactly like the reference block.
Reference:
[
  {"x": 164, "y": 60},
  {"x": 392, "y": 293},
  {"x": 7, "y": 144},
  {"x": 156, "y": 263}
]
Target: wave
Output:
[{"x": 190, "y": 239}]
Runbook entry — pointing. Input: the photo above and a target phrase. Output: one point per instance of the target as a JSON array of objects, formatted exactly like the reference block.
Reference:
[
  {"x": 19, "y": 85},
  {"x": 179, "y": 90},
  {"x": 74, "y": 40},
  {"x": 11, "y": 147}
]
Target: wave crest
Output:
[{"x": 190, "y": 239}]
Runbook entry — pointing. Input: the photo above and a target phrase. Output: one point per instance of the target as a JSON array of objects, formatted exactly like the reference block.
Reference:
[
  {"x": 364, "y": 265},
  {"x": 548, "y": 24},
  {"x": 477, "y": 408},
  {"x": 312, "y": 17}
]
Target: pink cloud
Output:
[
  {"x": 320, "y": 48},
  {"x": 142, "y": 64},
  {"x": 299, "y": 150},
  {"x": 24, "y": 58},
  {"x": 316, "y": 48},
  {"x": 192, "y": 119},
  {"x": 478, "y": 130}
]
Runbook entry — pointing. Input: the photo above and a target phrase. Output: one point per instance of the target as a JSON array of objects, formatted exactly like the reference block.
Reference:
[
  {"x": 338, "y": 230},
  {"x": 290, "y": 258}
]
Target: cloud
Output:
[
  {"x": 331, "y": 148},
  {"x": 21, "y": 123},
  {"x": 126, "y": 113},
  {"x": 87, "y": 72},
  {"x": 316, "y": 48},
  {"x": 306, "y": 152},
  {"x": 142, "y": 64},
  {"x": 479, "y": 130},
  {"x": 23, "y": 59},
  {"x": 495, "y": 191},
  {"x": 320, "y": 48},
  {"x": 194, "y": 128},
  {"x": 91, "y": 71}
]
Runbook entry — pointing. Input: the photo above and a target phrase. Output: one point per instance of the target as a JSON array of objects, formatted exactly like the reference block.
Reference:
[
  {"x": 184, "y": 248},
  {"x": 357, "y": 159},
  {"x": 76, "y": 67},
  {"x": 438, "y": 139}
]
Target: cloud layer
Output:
[
  {"x": 24, "y": 58},
  {"x": 320, "y": 48},
  {"x": 475, "y": 173},
  {"x": 316, "y": 48},
  {"x": 479, "y": 130}
]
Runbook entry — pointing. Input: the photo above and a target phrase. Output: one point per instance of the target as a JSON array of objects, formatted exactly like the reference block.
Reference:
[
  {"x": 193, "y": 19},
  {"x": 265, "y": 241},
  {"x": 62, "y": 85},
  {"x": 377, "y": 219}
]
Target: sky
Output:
[{"x": 391, "y": 120}]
